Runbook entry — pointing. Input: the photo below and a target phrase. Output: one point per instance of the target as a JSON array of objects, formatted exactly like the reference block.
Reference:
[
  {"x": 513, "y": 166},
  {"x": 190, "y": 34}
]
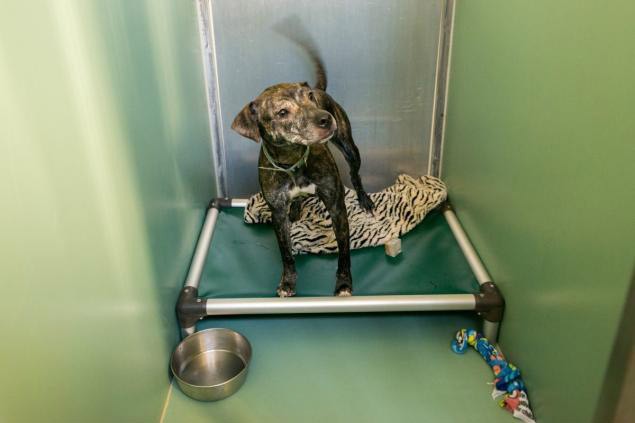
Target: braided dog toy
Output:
[{"x": 507, "y": 380}]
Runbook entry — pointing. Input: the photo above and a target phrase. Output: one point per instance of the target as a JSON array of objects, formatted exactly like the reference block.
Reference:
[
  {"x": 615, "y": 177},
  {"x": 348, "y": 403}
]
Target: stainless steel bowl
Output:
[{"x": 211, "y": 364}]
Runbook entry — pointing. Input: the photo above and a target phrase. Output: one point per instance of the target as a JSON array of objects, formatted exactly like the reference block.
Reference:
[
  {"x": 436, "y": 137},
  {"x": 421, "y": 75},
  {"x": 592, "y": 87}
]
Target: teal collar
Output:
[{"x": 290, "y": 170}]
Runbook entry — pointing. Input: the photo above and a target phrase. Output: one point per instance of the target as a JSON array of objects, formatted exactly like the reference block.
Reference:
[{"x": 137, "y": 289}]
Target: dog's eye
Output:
[
  {"x": 311, "y": 96},
  {"x": 282, "y": 112}
]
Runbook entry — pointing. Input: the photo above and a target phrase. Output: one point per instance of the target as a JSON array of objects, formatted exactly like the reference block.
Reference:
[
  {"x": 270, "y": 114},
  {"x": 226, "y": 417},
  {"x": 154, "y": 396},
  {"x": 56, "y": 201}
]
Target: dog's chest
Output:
[{"x": 301, "y": 191}]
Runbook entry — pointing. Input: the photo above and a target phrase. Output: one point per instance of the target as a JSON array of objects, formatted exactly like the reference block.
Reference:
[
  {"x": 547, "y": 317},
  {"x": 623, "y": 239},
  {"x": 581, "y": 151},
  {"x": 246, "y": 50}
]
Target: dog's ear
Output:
[{"x": 245, "y": 123}]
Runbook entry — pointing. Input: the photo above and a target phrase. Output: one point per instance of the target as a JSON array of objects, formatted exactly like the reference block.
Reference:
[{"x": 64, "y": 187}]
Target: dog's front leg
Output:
[
  {"x": 281, "y": 224},
  {"x": 333, "y": 197}
]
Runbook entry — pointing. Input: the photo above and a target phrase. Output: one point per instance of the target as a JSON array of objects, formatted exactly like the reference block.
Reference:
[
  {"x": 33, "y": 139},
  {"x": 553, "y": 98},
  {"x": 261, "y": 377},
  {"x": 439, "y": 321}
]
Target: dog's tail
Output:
[
  {"x": 320, "y": 71},
  {"x": 292, "y": 28}
]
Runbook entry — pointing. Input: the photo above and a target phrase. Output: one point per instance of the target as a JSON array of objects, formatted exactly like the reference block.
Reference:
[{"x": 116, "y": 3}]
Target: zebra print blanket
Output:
[{"x": 398, "y": 209}]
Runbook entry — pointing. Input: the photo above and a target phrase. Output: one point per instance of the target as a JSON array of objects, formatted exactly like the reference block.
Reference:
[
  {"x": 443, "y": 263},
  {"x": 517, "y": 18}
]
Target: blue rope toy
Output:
[{"x": 507, "y": 381}]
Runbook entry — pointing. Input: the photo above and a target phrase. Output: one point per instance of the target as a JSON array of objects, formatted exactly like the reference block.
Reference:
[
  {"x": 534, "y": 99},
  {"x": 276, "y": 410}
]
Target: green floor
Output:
[
  {"x": 353, "y": 368},
  {"x": 346, "y": 368}
]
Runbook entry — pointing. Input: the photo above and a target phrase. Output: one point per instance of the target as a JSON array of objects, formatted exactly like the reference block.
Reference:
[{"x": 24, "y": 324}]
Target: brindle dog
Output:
[{"x": 295, "y": 122}]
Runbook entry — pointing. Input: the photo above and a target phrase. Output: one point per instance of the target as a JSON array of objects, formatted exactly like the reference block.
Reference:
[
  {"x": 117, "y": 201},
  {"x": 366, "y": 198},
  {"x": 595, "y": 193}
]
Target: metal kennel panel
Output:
[{"x": 382, "y": 59}]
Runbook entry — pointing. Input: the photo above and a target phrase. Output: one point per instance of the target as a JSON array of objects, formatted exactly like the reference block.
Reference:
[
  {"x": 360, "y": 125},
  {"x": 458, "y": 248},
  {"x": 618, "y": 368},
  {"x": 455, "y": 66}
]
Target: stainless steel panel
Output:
[
  {"x": 381, "y": 58},
  {"x": 208, "y": 50},
  {"x": 443, "y": 79}
]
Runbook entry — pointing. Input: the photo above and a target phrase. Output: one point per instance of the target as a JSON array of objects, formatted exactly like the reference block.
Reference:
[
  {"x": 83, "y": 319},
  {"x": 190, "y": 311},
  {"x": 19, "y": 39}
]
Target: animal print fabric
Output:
[{"x": 398, "y": 209}]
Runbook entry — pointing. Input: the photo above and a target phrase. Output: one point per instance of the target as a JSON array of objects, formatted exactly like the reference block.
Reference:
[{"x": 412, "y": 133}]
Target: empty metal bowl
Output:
[{"x": 211, "y": 364}]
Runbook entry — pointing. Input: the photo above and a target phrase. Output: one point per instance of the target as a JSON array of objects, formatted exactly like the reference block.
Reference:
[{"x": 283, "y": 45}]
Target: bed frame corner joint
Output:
[
  {"x": 219, "y": 202},
  {"x": 490, "y": 304},
  {"x": 189, "y": 307},
  {"x": 446, "y": 205}
]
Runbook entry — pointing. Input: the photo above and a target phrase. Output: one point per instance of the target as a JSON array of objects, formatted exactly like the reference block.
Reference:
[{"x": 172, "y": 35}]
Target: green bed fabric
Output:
[{"x": 244, "y": 261}]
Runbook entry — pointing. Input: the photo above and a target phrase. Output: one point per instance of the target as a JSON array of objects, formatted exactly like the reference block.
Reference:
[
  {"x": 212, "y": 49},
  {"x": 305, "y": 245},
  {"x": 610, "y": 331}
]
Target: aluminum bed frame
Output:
[{"x": 488, "y": 303}]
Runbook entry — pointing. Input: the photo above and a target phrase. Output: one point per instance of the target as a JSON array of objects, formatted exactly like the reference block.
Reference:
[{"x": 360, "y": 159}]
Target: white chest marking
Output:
[{"x": 300, "y": 191}]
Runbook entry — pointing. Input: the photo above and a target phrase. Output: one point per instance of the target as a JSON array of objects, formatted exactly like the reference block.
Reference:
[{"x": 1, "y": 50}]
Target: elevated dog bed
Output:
[
  {"x": 244, "y": 261},
  {"x": 398, "y": 209},
  {"x": 236, "y": 266}
]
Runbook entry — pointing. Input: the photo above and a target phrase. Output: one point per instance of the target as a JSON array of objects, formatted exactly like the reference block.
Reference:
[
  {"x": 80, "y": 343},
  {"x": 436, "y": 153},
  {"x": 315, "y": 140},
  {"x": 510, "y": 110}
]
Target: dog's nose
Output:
[{"x": 324, "y": 121}]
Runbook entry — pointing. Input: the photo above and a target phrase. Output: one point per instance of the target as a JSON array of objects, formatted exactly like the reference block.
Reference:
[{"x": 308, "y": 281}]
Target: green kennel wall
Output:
[
  {"x": 104, "y": 175},
  {"x": 539, "y": 154}
]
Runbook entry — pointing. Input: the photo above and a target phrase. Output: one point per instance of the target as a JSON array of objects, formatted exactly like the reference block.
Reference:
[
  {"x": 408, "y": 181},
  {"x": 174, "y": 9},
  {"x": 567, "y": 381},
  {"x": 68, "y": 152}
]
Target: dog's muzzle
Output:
[{"x": 325, "y": 121}]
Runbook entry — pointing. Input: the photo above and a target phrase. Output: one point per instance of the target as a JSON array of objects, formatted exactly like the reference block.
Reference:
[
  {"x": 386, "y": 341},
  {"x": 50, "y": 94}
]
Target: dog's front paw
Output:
[
  {"x": 344, "y": 292},
  {"x": 284, "y": 292},
  {"x": 344, "y": 285},
  {"x": 286, "y": 286},
  {"x": 365, "y": 202}
]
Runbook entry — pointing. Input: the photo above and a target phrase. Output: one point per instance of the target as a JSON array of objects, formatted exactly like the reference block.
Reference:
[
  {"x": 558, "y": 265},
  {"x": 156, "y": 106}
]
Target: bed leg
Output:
[
  {"x": 490, "y": 305},
  {"x": 190, "y": 309},
  {"x": 490, "y": 331}
]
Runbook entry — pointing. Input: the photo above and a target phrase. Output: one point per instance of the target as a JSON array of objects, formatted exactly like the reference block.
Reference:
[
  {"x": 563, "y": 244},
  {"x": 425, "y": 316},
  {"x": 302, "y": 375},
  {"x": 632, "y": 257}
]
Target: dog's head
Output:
[{"x": 286, "y": 114}]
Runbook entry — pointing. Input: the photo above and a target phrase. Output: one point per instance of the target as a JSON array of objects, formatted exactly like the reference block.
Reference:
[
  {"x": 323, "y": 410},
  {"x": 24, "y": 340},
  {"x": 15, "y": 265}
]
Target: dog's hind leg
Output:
[
  {"x": 351, "y": 153},
  {"x": 343, "y": 140}
]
